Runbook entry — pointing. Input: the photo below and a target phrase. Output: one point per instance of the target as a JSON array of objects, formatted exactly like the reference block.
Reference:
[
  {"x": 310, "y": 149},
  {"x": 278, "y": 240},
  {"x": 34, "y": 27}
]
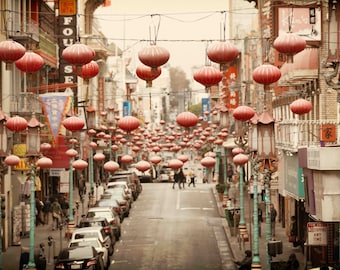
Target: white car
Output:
[
  {"x": 94, "y": 242},
  {"x": 122, "y": 185},
  {"x": 94, "y": 232}
]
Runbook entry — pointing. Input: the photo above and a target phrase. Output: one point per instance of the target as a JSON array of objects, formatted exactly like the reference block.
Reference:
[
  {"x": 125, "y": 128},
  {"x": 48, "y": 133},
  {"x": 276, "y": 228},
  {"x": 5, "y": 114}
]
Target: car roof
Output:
[
  {"x": 93, "y": 219},
  {"x": 100, "y": 208},
  {"x": 88, "y": 239},
  {"x": 117, "y": 183},
  {"x": 94, "y": 228}
]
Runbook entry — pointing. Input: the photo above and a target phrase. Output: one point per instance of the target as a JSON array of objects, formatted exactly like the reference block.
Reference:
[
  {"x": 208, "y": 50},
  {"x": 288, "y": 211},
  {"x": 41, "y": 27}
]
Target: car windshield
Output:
[
  {"x": 105, "y": 214},
  {"x": 91, "y": 223},
  {"x": 92, "y": 243},
  {"x": 122, "y": 186},
  {"x": 85, "y": 235}
]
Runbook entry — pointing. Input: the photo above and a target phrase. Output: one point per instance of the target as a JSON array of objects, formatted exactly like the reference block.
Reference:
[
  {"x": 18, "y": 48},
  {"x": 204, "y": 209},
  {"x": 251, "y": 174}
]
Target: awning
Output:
[{"x": 304, "y": 68}]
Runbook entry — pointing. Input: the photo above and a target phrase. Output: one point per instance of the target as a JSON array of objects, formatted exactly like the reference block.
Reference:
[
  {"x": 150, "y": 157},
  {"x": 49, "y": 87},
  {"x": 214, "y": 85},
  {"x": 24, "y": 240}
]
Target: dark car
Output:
[
  {"x": 98, "y": 221},
  {"x": 79, "y": 258}
]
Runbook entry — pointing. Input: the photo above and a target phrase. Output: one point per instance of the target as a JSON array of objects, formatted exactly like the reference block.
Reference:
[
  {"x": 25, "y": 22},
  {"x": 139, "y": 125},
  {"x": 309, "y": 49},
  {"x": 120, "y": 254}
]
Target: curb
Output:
[{"x": 225, "y": 226}]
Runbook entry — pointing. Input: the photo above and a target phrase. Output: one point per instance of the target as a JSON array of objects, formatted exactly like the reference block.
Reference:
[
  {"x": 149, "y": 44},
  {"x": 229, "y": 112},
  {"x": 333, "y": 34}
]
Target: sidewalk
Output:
[{"x": 238, "y": 248}]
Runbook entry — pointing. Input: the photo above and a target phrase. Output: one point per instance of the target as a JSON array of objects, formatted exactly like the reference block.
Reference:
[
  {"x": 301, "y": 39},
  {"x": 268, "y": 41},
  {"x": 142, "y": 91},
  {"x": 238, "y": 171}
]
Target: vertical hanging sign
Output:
[
  {"x": 126, "y": 108},
  {"x": 205, "y": 108},
  {"x": 67, "y": 36}
]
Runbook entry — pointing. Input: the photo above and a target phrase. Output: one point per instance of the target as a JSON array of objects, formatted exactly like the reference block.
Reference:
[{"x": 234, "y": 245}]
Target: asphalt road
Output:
[{"x": 173, "y": 229}]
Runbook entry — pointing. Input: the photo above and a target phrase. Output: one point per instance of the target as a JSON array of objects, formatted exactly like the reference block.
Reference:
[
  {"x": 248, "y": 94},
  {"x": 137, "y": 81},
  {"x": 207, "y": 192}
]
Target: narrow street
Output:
[{"x": 173, "y": 229}]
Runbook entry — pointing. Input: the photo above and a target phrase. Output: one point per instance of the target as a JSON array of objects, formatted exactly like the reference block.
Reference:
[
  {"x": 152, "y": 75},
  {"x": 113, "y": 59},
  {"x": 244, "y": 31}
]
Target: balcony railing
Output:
[
  {"x": 25, "y": 103},
  {"x": 292, "y": 134}
]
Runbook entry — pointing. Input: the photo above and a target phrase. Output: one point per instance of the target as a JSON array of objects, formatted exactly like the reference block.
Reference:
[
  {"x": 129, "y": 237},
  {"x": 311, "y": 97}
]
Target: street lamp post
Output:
[
  {"x": 241, "y": 140},
  {"x": 33, "y": 145},
  {"x": 91, "y": 125},
  {"x": 266, "y": 154}
]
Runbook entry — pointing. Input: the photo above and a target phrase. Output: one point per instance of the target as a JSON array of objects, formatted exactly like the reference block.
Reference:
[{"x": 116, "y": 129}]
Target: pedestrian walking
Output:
[
  {"x": 192, "y": 177},
  {"x": 177, "y": 179},
  {"x": 64, "y": 206},
  {"x": 273, "y": 214},
  {"x": 292, "y": 263},
  {"x": 182, "y": 177},
  {"x": 81, "y": 186},
  {"x": 293, "y": 231},
  {"x": 38, "y": 212},
  {"x": 245, "y": 264},
  {"x": 57, "y": 213},
  {"x": 47, "y": 210}
]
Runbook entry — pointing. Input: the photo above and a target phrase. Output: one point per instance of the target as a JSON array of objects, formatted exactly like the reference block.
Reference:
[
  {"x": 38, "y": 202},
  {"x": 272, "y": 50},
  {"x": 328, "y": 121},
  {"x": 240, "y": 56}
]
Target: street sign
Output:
[{"x": 317, "y": 234}]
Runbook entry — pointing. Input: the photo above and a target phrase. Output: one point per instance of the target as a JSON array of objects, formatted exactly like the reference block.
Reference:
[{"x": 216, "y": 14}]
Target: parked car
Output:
[
  {"x": 113, "y": 203},
  {"x": 111, "y": 216},
  {"x": 129, "y": 178},
  {"x": 94, "y": 242},
  {"x": 165, "y": 175},
  {"x": 98, "y": 221},
  {"x": 122, "y": 185},
  {"x": 79, "y": 258},
  {"x": 122, "y": 199},
  {"x": 90, "y": 232}
]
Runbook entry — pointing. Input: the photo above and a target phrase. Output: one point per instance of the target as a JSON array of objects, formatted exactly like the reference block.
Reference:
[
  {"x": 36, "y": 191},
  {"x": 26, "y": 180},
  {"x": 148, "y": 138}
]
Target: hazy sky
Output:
[{"x": 181, "y": 26}]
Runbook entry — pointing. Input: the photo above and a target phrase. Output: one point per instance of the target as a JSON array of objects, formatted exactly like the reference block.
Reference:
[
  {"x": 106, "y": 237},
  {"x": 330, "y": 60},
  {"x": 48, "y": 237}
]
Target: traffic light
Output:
[{"x": 3, "y": 205}]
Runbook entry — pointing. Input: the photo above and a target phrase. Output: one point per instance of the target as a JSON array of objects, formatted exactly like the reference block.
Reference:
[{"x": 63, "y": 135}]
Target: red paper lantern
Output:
[
  {"x": 237, "y": 150},
  {"x": 289, "y": 44},
  {"x": 301, "y": 106},
  {"x": 78, "y": 54},
  {"x": 99, "y": 157},
  {"x": 187, "y": 119},
  {"x": 73, "y": 123},
  {"x": 111, "y": 166},
  {"x": 30, "y": 62},
  {"x": 79, "y": 164},
  {"x": 142, "y": 166},
  {"x": 266, "y": 74},
  {"x": 222, "y": 52},
  {"x": 175, "y": 164},
  {"x": 243, "y": 113},
  {"x": 126, "y": 159},
  {"x": 114, "y": 148},
  {"x": 87, "y": 71},
  {"x": 128, "y": 123},
  {"x": 148, "y": 74},
  {"x": 208, "y": 162},
  {"x": 154, "y": 56},
  {"x": 44, "y": 162},
  {"x": 218, "y": 142},
  {"x": 208, "y": 76},
  {"x": 12, "y": 160},
  {"x": 240, "y": 159},
  {"x": 155, "y": 159},
  {"x": 45, "y": 147},
  {"x": 71, "y": 153},
  {"x": 11, "y": 51},
  {"x": 16, "y": 123},
  {"x": 183, "y": 158}
]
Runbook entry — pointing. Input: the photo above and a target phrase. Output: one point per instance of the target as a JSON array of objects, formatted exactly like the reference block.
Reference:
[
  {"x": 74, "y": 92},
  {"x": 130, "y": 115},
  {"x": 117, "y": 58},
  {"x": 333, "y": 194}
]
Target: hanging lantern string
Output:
[
  {"x": 290, "y": 20},
  {"x": 223, "y": 25},
  {"x": 154, "y": 29}
]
